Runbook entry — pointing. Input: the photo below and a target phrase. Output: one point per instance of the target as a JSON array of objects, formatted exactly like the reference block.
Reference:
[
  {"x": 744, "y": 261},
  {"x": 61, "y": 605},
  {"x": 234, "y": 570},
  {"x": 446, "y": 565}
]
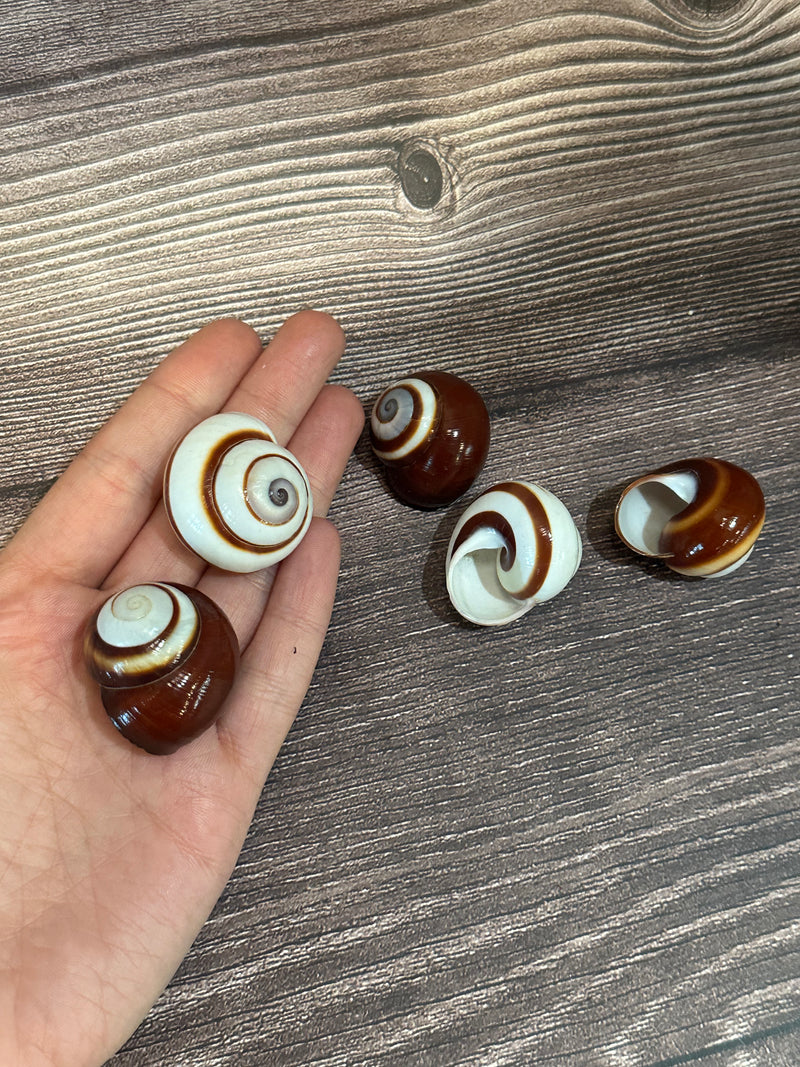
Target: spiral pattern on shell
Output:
[
  {"x": 235, "y": 496},
  {"x": 431, "y": 431},
  {"x": 513, "y": 547},
  {"x": 165, "y": 658},
  {"x": 700, "y": 516}
]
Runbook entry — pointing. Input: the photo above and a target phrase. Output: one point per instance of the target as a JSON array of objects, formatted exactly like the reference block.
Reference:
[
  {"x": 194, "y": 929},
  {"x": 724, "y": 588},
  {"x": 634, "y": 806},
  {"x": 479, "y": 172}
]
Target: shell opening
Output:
[
  {"x": 515, "y": 546},
  {"x": 478, "y": 595},
  {"x": 475, "y": 588},
  {"x": 647, "y": 506}
]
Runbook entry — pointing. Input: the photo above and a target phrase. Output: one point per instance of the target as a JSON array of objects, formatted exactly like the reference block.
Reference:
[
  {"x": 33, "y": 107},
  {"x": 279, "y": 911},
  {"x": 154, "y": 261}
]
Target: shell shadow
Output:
[
  {"x": 363, "y": 454},
  {"x": 433, "y": 587},
  {"x": 375, "y": 471}
]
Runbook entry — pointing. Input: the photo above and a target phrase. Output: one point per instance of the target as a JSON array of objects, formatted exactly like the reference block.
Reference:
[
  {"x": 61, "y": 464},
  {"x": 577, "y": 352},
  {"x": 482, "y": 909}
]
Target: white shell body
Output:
[
  {"x": 514, "y": 547},
  {"x": 235, "y": 496}
]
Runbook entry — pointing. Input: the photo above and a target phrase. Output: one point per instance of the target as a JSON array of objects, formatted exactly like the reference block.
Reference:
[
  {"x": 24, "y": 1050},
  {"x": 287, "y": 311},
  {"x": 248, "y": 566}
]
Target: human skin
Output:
[{"x": 110, "y": 858}]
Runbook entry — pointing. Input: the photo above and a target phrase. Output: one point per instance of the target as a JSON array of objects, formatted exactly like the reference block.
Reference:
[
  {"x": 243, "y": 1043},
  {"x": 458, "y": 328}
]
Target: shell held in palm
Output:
[
  {"x": 514, "y": 547},
  {"x": 234, "y": 496},
  {"x": 165, "y": 658},
  {"x": 700, "y": 516},
  {"x": 431, "y": 432}
]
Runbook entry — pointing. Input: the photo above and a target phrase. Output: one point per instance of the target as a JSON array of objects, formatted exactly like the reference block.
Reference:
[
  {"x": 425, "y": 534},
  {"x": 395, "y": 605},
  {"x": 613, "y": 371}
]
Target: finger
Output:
[
  {"x": 155, "y": 555},
  {"x": 279, "y": 388},
  {"x": 98, "y": 505},
  {"x": 277, "y": 667},
  {"x": 323, "y": 443},
  {"x": 325, "y": 440}
]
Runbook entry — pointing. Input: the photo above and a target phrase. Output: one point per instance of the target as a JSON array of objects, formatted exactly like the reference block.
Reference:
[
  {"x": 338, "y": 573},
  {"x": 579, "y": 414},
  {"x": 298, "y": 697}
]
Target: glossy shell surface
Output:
[
  {"x": 513, "y": 547},
  {"x": 235, "y": 496},
  {"x": 431, "y": 431},
  {"x": 700, "y": 516},
  {"x": 165, "y": 658}
]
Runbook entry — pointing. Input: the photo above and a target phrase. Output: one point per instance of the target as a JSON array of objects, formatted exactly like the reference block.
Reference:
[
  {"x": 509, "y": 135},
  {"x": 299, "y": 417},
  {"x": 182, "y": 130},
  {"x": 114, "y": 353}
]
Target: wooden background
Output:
[{"x": 575, "y": 841}]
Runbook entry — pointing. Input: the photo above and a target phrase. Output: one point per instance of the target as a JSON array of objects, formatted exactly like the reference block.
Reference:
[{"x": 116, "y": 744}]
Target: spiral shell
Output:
[
  {"x": 234, "y": 496},
  {"x": 701, "y": 516},
  {"x": 165, "y": 657},
  {"x": 432, "y": 434},
  {"x": 515, "y": 546}
]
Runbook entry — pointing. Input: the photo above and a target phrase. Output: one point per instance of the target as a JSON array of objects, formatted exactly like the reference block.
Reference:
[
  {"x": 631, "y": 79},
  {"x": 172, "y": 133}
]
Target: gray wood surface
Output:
[{"x": 574, "y": 841}]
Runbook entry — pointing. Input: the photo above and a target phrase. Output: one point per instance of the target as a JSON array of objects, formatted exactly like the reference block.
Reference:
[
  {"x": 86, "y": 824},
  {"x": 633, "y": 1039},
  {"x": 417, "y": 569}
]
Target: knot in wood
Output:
[
  {"x": 421, "y": 177},
  {"x": 711, "y": 9}
]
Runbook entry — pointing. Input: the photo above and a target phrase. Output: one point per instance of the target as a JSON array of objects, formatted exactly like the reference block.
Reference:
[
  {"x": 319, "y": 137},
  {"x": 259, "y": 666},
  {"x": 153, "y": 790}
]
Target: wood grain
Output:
[{"x": 574, "y": 841}]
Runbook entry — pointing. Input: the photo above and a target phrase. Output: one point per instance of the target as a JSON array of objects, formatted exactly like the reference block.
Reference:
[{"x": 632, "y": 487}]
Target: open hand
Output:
[{"x": 111, "y": 858}]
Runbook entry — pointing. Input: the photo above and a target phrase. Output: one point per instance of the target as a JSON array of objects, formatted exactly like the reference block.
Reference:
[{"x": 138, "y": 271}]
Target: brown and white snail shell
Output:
[
  {"x": 513, "y": 547},
  {"x": 700, "y": 516},
  {"x": 235, "y": 496},
  {"x": 431, "y": 431},
  {"x": 165, "y": 657}
]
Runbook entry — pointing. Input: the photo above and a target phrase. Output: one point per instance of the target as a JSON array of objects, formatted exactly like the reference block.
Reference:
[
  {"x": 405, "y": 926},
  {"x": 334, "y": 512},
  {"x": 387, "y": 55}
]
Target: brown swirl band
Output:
[
  {"x": 722, "y": 522},
  {"x": 543, "y": 553}
]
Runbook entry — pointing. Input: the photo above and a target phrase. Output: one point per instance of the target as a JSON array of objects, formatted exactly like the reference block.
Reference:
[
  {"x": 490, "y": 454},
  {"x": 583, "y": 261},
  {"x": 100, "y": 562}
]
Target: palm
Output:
[{"x": 110, "y": 859}]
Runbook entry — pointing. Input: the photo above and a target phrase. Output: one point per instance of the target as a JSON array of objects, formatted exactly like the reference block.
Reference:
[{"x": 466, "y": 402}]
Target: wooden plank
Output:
[
  {"x": 573, "y": 841},
  {"x": 569, "y": 839}
]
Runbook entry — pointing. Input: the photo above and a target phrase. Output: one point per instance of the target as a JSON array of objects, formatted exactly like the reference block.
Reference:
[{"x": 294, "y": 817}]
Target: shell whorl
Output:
[
  {"x": 701, "y": 516},
  {"x": 431, "y": 431},
  {"x": 404, "y": 417},
  {"x": 235, "y": 496},
  {"x": 165, "y": 657},
  {"x": 513, "y": 547},
  {"x": 141, "y": 634}
]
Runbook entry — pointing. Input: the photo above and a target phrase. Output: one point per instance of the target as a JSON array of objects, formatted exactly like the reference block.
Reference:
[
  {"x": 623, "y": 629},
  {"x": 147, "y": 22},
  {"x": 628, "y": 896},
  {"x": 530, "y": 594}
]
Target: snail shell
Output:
[
  {"x": 165, "y": 657},
  {"x": 515, "y": 546},
  {"x": 234, "y": 496},
  {"x": 701, "y": 516},
  {"x": 432, "y": 433}
]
